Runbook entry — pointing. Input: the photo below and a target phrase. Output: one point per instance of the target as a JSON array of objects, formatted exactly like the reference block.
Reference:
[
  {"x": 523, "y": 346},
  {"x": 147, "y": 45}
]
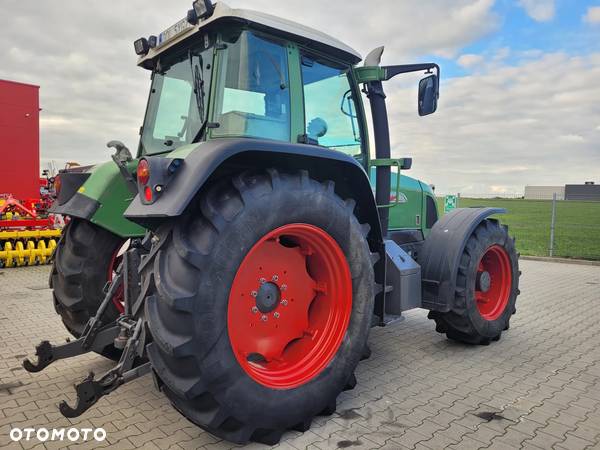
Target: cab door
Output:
[{"x": 332, "y": 116}]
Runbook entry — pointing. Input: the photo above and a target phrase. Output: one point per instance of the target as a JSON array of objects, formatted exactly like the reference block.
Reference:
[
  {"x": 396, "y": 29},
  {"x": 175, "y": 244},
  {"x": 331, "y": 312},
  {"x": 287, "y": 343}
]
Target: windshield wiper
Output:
[
  {"x": 199, "y": 92},
  {"x": 198, "y": 82}
]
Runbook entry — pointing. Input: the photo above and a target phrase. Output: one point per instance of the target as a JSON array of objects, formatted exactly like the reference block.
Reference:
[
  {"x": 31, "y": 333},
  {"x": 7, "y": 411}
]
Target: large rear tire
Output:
[
  {"x": 259, "y": 304},
  {"x": 486, "y": 290},
  {"x": 83, "y": 262}
]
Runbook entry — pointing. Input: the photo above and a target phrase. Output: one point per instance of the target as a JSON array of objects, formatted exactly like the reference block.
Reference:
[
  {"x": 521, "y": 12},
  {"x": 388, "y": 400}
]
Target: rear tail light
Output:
[
  {"x": 148, "y": 193},
  {"x": 143, "y": 172},
  {"x": 153, "y": 175}
]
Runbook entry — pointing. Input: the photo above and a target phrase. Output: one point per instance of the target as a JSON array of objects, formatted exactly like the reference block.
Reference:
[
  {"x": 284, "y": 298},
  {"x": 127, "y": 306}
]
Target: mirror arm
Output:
[{"x": 392, "y": 71}]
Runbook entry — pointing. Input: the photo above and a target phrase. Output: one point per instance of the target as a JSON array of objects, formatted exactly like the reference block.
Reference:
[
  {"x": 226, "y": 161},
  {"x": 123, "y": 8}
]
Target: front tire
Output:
[
  {"x": 245, "y": 353},
  {"x": 486, "y": 289}
]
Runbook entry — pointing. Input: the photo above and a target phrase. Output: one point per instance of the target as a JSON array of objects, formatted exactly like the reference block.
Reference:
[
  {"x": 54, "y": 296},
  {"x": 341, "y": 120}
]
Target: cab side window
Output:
[
  {"x": 253, "y": 95},
  {"x": 330, "y": 110}
]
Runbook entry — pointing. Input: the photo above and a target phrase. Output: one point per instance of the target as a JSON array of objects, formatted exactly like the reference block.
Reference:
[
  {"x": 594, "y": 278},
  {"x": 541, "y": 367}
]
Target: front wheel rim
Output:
[
  {"x": 289, "y": 306},
  {"x": 493, "y": 283}
]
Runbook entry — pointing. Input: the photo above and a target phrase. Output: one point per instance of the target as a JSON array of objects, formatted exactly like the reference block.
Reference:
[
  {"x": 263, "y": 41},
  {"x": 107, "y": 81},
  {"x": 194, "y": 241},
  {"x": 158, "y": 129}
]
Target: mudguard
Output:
[
  {"x": 99, "y": 195},
  {"x": 216, "y": 158},
  {"x": 440, "y": 255},
  {"x": 70, "y": 183}
]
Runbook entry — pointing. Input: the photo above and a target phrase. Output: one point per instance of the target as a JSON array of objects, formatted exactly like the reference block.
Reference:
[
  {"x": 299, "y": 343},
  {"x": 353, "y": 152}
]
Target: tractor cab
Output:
[
  {"x": 241, "y": 73},
  {"x": 232, "y": 73}
]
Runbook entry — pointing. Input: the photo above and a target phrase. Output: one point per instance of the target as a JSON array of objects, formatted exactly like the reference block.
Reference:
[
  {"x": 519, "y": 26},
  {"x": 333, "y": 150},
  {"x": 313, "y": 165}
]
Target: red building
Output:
[{"x": 19, "y": 140}]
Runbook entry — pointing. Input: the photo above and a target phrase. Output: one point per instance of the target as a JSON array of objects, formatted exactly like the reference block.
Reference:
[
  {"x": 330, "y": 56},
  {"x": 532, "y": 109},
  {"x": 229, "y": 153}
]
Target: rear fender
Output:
[
  {"x": 440, "y": 255},
  {"x": 218, "y": 158},
  {"x": 100, "y": 196}
]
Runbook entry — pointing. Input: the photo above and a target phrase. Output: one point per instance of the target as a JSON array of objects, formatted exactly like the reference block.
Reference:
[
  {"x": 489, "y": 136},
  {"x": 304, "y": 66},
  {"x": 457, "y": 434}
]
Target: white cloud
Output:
[
  {"x": 593, "y": 15},
  {"x": 505, "y": 126},
  {"x": 82, "y": 53},
  {"x": 407, "y": 28},
  {"x": 47, "y": 121},
  {"x": 540, "y": 10},
  {"x": 498, "y": 127},
  {"x": 470, "y": 60},
  {"x": 573, "y": 138},
  {"x": 483, "y": 61},
  {"x": 501, "y": 54}
]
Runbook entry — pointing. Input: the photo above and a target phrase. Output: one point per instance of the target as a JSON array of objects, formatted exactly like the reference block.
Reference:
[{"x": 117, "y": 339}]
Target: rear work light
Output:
[{"x": 141, "y": 46}]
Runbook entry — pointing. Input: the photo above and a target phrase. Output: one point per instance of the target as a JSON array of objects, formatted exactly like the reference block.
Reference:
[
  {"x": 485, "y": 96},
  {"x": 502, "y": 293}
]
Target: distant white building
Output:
[{"x": 544, "y": 192}]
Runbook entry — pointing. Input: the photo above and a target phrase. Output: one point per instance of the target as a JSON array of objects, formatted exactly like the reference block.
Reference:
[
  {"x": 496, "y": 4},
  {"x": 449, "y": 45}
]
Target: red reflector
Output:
[
  {"x": 143, "y": 172},
  {"x": 57, "y": 185},
  {"x": 148, "y": 193}
]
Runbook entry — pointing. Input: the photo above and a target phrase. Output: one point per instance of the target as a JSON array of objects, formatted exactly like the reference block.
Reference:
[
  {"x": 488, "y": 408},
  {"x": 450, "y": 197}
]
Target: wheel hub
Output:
[
  {"x": 484, "y": 281},
  {"x": 268, "y": 297}
]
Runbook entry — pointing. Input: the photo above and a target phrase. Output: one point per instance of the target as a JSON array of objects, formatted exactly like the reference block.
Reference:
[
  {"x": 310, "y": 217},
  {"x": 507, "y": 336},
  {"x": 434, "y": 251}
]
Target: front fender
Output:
[{"x": 440, "y": 256}]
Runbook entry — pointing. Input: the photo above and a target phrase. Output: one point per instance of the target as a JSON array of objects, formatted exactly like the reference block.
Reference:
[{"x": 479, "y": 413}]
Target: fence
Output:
[{"x": 576, "y": 225}]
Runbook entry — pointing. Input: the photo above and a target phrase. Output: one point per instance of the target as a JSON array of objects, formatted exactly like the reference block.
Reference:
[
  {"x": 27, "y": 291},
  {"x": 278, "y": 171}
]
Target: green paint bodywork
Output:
[
  {"x": 296, "y": 94},
  {"x": 408, "y": 200},
  {"x": 366, "y": 74},
  {"x": 406, "y": 211},
  {"x": 107, "y": 186}
]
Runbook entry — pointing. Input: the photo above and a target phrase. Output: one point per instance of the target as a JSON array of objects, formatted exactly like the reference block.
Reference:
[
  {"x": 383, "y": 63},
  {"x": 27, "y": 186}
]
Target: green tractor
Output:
[{"x": 246, "y": 251}]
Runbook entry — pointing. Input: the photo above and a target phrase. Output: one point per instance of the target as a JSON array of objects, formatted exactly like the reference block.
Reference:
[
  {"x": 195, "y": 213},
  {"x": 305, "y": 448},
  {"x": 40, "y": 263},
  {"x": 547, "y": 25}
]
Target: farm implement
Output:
[
  {"x": 244, "y": 253},
  {"x": 26, "y": 239},
  {"x": 28, "y": 234}
]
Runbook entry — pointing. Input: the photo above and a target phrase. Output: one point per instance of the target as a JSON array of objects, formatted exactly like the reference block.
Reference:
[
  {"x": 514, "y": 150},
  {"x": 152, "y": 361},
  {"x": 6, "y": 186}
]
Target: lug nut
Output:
[
  {"x": 283, "y": 287},
  {"x": 275, "y": 278},
  {"x": 264, "y": 318},
  {"x": 262, "y": 281},
  {"x": 276, "y": 315},
  {"x": 253, "y": 293},
  {"x": 284, "y": 302},
  {"x": 254, "y": 309}
]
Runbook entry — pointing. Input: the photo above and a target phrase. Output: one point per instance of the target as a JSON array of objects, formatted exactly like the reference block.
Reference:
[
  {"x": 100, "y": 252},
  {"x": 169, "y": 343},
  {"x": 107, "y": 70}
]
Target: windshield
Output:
[{"x": 177, "y": 106}]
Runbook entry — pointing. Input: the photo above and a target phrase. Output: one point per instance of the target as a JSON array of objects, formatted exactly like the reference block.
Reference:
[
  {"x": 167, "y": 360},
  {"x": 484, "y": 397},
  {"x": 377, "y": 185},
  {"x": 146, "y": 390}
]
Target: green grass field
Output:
[{"x": 577, "y": 233}]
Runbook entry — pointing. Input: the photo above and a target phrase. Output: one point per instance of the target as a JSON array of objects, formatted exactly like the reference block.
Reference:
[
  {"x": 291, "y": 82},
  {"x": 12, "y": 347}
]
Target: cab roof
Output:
[{"x": 302, "y": 34}]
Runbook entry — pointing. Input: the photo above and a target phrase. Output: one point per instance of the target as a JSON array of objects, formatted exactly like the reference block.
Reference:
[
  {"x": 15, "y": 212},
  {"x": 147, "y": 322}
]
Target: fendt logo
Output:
[{"x": 57, "y": 434}]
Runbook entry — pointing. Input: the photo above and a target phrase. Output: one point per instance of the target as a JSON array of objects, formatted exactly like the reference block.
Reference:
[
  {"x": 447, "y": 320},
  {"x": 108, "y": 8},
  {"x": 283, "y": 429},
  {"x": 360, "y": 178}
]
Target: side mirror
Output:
[{"x": 428, "y": 95}]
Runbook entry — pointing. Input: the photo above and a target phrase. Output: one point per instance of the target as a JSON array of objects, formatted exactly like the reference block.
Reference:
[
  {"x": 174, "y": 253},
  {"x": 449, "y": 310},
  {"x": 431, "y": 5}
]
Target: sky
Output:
[{"x": 520, "y": 96}]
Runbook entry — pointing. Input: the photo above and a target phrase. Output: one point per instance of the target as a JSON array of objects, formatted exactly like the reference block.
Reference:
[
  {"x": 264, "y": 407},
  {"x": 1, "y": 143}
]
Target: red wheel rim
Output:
[
  {"x": 494, "y": 282},
  {"x": 119, "y": 297},
  {"x": 289, "y": 306}
]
